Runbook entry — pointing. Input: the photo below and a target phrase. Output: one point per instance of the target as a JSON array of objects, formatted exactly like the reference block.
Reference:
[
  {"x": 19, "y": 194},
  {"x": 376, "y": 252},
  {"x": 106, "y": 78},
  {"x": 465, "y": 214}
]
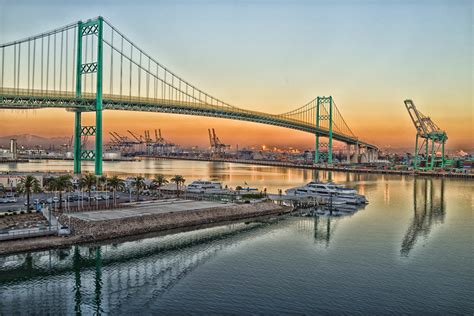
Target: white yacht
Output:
[
  {"x": 328, "y": 191},
  {"x": 201, "y": 186}
]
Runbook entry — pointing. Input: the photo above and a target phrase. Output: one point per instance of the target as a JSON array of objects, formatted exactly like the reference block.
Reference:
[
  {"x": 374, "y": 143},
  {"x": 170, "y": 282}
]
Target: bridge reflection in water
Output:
[
  {"x": 105, "y": 278},
  {"x": 428, "y": 209},
  {"x": 109, "y": 278}
]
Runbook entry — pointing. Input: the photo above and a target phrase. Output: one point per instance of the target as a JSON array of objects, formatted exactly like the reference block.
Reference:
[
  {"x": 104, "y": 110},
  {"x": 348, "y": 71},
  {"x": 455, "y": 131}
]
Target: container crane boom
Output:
[
  {"x": 134, "y": 136},
  {"x": 430, "y": 134}
]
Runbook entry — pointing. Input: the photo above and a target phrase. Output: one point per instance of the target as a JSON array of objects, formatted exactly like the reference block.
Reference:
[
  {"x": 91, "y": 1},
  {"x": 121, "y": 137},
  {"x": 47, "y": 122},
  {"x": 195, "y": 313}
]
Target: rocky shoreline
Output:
[{"x": 95, "y": 231}]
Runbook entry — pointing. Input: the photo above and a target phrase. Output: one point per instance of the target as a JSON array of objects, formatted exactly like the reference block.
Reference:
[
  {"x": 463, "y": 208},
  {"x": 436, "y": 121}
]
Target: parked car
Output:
[{"x": 64, "y": 231}]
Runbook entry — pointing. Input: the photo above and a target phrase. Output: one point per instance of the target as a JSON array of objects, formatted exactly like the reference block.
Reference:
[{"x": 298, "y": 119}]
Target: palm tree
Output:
[
  {"x": 159, "y": 181},
  {"x": 139, "y": 183},
  {"x": 178, "y": 180},
  {"x": 238, "y": 188},
  {"x": 116, "y": 184},
  {"x": 61, "y": 183},
  {"x": 103, "y": 181},
  {"x": 88, "y": 181},
  {"x": 28, "y": 185}
]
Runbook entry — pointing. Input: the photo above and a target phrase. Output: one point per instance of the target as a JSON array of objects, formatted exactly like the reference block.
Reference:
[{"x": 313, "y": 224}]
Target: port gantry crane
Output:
[
  {"x": 431, "y": 134},
  {"x": 216, "y": 145}
]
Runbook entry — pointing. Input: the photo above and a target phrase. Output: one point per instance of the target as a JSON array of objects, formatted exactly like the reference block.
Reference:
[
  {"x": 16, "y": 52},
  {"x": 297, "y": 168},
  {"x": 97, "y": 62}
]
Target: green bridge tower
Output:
[
  {"x": 327, "y": 115},
  {"x": 89, "y": 28}
]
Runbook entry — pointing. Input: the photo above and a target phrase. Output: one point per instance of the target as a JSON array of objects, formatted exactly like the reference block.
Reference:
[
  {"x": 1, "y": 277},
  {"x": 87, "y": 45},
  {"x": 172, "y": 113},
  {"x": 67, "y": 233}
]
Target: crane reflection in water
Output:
[{"x": 428, "y": 209}]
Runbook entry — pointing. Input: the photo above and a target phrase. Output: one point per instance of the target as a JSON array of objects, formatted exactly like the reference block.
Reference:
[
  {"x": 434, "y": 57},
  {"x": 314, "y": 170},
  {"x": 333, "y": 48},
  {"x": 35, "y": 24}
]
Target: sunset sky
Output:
[{"x": 273, "y": 56}]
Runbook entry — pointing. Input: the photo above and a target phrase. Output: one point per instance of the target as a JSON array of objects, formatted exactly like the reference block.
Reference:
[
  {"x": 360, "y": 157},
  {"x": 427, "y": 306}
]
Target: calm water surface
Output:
[{"x": 409, "y": 251}]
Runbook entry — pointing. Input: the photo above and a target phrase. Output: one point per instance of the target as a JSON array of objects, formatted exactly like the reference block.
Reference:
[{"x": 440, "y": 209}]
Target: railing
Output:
[{"x": 27, "y": 233}]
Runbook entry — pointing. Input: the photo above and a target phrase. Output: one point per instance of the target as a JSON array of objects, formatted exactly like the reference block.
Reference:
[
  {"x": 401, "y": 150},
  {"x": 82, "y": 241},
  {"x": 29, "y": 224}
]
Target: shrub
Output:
[
  {"x": 22, "y": 212},
  {"x": 252, "y": 196}
]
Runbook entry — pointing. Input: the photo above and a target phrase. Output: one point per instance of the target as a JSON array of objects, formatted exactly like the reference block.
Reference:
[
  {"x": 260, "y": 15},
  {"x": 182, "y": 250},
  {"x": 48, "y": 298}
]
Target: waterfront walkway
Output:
[{"x": 148, "y": 208}]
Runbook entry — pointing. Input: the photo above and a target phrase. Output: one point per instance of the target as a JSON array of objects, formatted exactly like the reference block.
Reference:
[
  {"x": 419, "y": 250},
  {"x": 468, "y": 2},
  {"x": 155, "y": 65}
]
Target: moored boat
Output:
[{"x": 328, "y": 191}]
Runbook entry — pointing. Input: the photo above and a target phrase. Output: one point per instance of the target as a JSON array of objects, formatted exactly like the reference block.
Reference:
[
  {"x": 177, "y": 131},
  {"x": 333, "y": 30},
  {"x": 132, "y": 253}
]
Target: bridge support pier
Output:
[
  {"x": 77, "y": 142},
  {"x": 348, "y": 153},
  {"x": 355, "y": 157},
  {"x": 373, "y": 155}
]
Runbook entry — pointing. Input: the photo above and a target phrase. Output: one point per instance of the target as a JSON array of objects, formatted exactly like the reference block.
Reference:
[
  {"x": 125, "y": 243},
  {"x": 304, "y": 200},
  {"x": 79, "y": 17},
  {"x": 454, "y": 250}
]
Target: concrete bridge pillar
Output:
[
  {"x": 355, "y": 157},
  {"x": 373, "y": 155},
  {"x": 348, "y": 153}
]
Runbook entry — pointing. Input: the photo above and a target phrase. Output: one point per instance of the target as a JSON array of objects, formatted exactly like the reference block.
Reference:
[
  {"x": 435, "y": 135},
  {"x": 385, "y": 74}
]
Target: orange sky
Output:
[{"x": 394, "y": 130}]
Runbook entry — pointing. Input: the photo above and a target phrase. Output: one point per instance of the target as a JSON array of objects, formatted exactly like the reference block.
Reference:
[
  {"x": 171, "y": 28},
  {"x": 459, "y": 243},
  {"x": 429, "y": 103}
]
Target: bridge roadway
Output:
[{"x": 36, "y": 99}]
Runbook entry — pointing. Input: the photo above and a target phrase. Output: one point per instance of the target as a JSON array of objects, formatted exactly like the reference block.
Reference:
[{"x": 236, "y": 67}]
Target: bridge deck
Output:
[{"x": 34, "y": 99}]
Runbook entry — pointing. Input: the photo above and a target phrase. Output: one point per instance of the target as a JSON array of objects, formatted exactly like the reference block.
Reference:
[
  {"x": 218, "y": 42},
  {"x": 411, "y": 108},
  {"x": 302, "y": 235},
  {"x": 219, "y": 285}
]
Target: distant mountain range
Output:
[{"x": 30, "y": 141}]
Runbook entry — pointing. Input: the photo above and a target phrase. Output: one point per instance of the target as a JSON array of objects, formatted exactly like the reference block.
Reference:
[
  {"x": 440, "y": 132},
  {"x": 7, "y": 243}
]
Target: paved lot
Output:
[{"x": 149, "y": 208}]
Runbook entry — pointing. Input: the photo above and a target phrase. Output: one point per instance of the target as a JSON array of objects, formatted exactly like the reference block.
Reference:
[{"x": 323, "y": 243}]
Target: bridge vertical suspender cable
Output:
[
  {"x": 3, "y": 66},
  {"x": 111, "y": 88},
  {"x": 166, "y": 92},
  {"x": 54, "y": 62},
  {"x": 66, "y": 61},
  {"x": 47, "y": 65},
  {"x": 121, "y": 66}
]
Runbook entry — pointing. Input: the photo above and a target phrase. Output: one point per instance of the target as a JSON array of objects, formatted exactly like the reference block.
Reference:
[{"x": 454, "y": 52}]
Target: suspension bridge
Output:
[{"x": 90, "y": 66}]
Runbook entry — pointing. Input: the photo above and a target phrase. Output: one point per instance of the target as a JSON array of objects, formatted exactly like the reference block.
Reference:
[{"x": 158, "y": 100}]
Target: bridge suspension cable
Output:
[
  {"x": 42, "y": 69},
  {"x": 54, "y": 66}
]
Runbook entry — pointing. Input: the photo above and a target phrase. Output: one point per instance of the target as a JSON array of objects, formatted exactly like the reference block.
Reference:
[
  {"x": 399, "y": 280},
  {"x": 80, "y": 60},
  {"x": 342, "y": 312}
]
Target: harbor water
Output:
[{"x": 410, "y": 250}]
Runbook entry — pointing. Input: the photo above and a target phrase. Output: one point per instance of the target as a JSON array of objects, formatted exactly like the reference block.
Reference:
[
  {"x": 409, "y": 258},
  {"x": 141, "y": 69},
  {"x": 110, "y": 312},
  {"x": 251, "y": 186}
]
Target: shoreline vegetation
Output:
[{"x": 140, "y": 226}]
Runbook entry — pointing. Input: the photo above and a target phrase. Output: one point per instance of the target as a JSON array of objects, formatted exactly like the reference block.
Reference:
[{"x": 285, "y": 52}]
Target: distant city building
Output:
[
  {"x": 11, "y": 181},
  {"x": 13, "y": 148}
]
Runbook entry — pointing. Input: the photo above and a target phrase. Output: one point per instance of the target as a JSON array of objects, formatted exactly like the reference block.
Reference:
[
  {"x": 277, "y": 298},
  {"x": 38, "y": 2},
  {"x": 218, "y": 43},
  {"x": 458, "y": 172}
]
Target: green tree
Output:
[
  {"x": 178, "y": 180},
  {"x": 138, "y": 183},
  {"x": 88, "y": 181},
  {"x": 28, "y": 185},
  {"x": 116, "y": 184},
  {"x": 159, "y": 181},
  {"x": 60, "y": 184}
]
